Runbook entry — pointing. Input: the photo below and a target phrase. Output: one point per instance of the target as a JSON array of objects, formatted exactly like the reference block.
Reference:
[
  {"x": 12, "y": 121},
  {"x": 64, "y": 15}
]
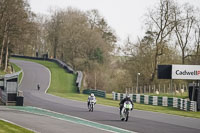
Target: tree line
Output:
[
  {"x": 85, "y": 41},
  {"x": 172, "y": 37},
  {"x": 17, "y": 29}
]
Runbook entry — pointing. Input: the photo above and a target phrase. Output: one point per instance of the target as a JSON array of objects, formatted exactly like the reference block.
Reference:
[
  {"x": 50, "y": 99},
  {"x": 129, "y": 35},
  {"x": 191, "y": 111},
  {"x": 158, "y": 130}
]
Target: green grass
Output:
[
  {"x": 17, "y": 69},
  {"x": 6, "y": 127},
  {"x": 61, "y": 82},
  {"x": 108, "y": 101},
  {"x": 63, "y": 85},
  {"x": 2, "y": 72}
]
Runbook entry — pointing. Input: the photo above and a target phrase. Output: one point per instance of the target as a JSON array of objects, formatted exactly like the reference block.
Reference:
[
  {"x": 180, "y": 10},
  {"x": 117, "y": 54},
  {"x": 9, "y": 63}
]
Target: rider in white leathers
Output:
[{"x": 91, "y": 97}]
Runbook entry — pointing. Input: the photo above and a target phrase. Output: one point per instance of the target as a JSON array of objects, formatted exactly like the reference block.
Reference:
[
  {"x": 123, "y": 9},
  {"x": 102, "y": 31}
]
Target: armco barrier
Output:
[
  {"x": 79, "y": 80},
  {"x": 98, "y": 93},
  {"x": 182, "y": 104},
  {"x": 57, "y": 61}
]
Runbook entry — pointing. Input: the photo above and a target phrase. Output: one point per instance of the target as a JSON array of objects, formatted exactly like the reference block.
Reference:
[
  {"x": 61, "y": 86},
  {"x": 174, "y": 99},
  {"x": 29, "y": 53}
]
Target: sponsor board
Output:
[{"x": 186, "y": 72}]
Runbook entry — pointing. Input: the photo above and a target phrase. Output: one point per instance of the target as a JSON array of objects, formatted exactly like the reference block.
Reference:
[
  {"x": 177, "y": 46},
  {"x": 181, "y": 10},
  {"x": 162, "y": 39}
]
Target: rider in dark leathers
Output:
[{"x": 127, "y": 98}]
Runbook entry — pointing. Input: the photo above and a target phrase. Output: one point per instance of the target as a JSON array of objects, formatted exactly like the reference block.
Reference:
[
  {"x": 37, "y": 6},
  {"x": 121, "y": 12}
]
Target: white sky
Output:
[{"x": 124, "y": 16}]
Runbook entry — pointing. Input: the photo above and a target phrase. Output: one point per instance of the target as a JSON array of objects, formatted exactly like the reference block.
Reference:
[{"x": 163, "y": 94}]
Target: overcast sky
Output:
[{"x": 124, "y": 16}]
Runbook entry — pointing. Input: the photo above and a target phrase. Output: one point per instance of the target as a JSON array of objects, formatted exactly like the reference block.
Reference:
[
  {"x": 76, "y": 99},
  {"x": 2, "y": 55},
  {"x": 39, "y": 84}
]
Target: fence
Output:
[
  {"x": 98, "y": 93},
  {"x": 179, "y": 103},
  {"x": 159, "y": 89}
]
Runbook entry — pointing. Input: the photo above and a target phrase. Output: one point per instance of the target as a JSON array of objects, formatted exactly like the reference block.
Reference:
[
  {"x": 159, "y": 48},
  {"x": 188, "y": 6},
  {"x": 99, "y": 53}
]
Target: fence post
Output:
[
  {"x": 164, "y": 88},
  {"x": 159, "y": 88},
  {"x": 136, "y": 90},
  {"x": 149, "y": 89}
]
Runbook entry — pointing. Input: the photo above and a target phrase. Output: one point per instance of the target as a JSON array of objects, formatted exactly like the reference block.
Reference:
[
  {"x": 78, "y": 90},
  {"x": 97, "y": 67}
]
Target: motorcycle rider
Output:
[
  {"x": 91, "y": 97},
  {"x": 127, "y": 98}
]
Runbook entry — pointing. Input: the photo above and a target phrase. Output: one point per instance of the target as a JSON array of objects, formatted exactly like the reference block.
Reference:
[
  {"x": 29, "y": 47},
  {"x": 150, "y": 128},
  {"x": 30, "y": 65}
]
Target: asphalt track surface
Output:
[{"x": 139, "y": 121}]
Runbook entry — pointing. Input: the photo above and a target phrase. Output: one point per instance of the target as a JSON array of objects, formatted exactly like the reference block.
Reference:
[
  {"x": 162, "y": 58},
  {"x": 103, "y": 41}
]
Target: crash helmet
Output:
[
  {"x": 92, "y": 95},
  {"x": 127, "y": 96}
]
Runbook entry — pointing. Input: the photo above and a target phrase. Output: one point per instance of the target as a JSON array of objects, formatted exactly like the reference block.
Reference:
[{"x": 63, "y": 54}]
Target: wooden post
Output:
[
  {"x": 159, "y": 88},
  {"x": 136, "y": 90},
  {"x": 169, "y": 88},
  {"x": 186, "y": 88},
  {"x": 149, "y": 89},
  {"x": 164, "y": 88},
  {"x": 174, "y": 88}
]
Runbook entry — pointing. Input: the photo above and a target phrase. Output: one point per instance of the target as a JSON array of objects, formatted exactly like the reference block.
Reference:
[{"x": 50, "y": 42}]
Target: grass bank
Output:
[
  {"x": 6, "y": 127},
  {"x": 17, "y": 69},
  {"x": 61, "y": 82},
  {"x": 63, "y": 85}
]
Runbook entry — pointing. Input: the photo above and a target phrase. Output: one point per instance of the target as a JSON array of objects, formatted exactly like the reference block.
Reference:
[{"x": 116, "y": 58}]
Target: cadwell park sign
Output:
[
  {"x": 186, "y": 72},
  {"x": 190, "y": 72}
]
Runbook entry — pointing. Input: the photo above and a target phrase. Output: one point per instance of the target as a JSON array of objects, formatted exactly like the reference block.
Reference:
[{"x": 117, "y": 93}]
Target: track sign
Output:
[
  {"x": 186, "y": 72},
  {"x": 164, "y": 71}
]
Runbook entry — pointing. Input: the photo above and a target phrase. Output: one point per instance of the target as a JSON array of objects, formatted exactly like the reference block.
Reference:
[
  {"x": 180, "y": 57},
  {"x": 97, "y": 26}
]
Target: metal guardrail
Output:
[
  {"x": 79, "y": 80},
  {"x": 57, "y": 61}
]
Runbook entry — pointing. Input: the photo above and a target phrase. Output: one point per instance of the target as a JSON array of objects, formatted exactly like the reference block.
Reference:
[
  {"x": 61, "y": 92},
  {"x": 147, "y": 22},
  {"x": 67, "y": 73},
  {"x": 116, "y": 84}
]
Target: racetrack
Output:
[{"x": 139, "y": 121}]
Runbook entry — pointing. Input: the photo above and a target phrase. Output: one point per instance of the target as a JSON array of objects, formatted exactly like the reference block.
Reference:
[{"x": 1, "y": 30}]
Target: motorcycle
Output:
[
  {"x": 91, "y": 105},
  {"x": 125, "y": 111}
]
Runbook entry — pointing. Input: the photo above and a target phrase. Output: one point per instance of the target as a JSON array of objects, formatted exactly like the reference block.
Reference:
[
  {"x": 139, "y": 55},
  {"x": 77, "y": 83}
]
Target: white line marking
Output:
[
  {"x": 76, "y": 118},
  {"x": 49, "y": 79}
]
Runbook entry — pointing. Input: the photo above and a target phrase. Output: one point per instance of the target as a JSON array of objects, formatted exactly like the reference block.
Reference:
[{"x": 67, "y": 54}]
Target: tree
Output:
[
  {"x": 98, "y": 23},
  {"x": 197, "y": 39},
  {"x": 194, "y": 58},
  {"x": 140, "y": 58},
  {"x": 82, "y": 43},
  {"x": 184, "y": 19},
  {"x": 14, "y": 18},
  {"x": 160, "y": 23},
  {"x": 54, "y": 29}
]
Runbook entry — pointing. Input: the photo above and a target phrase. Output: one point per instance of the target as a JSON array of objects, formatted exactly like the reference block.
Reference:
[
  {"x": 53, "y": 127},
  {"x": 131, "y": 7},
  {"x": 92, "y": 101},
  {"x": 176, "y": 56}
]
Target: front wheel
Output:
[
  {"x": 127, "y": 116},
  {"x": 92, "y": 107}
]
